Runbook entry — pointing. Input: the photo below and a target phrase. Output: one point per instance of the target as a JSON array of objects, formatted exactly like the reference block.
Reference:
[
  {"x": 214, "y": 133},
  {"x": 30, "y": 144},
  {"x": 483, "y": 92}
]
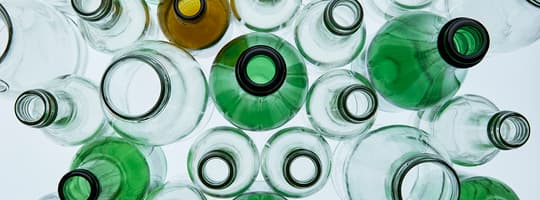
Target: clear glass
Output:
[
  {"x": 512, "y": 24},
  {"x": 296, "y": 162},
  {"x": 223, "y": 162},
  {"x": 481, "y": 187},
  {"x": 48, "y": 41},
  {"x": 341, "y": 104},
  {"x": 154, "y": 93},
  {"x": 394, "y": 8},
  {"x": 419, "y": 60},
  {"x": 266, "y": 78},
  {"x": 176, "y": 190},
  {"x": 52, "y": 196},
  {"x": 260, "y": 196},
  {"x": 473, "y": 129},
  {"x": 265, "y": 15},
  {"x": 394, "y": 162},
  {"x": 110, "y": 25},
  {"x": 64, "y": 109},
  {"x": 331, "y": 33}
]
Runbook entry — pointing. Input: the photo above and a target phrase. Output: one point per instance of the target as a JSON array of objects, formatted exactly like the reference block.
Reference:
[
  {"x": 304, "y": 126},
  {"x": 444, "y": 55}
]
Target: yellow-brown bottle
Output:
[{"x": 194, "y": 24}]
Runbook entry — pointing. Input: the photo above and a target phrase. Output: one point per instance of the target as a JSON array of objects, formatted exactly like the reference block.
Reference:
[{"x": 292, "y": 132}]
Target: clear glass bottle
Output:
[
  {"x": 194, "y": 24},
  {"x": 110, "y": 25},
  {"x": 223, "y": 162},
  {"x": 264, "y": 76},
  {"x": 331, "y": 33},
  {"x": 64, "y": 109},
  {"x": 260, "y": 196},
  {"x": 53, "y": 196},
  {"x": 481, "y": 187},
  {"x": 512, "y": 24},
  {"x": 112, "y": 168},
  {"x": 296, "y": 162},
  {"x": 48, "y": 41},
  {"x": 264, "y": 15},
  {"x": 394, "y": 8},
  {"x": 341, "y": 104},
  {"x": 394, "y": 162},
  {"x": 175, "y": 190},
  {"x": 473, "y": 129},
  {"x": 154, "y": 93},
  {"x": 419, "y": 60}
]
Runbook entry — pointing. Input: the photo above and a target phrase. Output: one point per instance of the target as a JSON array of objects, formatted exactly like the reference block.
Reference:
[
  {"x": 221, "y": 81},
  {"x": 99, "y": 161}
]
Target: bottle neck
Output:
[
  {"x": 535, "y": 3},
  {"x": 213, "y": 182},
  {"x": 508, "y": 130},
  {"x": 463, "y": 42},
  {"x": 357, "y": 103},
  {"x": 343, "y": 17},
  {"x": 40, "y": 108},
  {"x": 97, "y": 179},
  {"x": 260, "y": 70},
  {"x": 99, "y": 13},
  {"x": 189, "y": 10}
]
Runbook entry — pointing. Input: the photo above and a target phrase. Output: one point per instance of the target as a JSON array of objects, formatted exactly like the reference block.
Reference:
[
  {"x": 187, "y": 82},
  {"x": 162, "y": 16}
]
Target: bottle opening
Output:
[
  {"x": 343, "y": 17},
  {"x": 260, "y": 70},
  {"x": 217, "y": 170},
  {"x": 91, "y": 9},
  {"x": 357, "y": 103},
  {"x": 79, "y": 184},
  {"x": 463, "y": 42},
  {"x": 508, "y": 130},
  {"x": 189, "y": 9},
  {"x": 36, "y": 108},
  {"x": 302, "y": 168},
  {"x": 135, "y": 88},
  {"x": 6, "y": 33},
  {"x": 535, "y": 2},
  {"x": 412, "y": 4}
]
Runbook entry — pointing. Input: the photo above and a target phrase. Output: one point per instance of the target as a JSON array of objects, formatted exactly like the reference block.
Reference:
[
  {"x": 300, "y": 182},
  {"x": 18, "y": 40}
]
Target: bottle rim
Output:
[
  {"x": 223, "y": 156},
  {"x": 91, "y": 179},
  {"x": 346, "y": 112},
  {"x": 22, "y": 108},
  {"x": 449, "y": 50},
  {"x": 101, "y": 11},
  {"x": 496, "y": 131},
  {"x": 251, "y": 87},
  {"x": 335, "y": 27},
  {"x": 535, "y": 3},
  {"x": 287, "y": 171},
  {"x": 181, "y": 15},
  {"x": 9, "y": 25}
]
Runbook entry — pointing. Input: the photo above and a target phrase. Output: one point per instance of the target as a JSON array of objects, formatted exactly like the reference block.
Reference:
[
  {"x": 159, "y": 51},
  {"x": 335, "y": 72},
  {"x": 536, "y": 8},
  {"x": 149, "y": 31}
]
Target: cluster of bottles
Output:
[{"x": 259, "y": 81}]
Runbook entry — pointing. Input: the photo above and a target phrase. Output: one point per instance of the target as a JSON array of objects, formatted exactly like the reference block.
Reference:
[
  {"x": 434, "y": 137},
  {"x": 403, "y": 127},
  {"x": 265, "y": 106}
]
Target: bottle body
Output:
[
  {"x": 388, "y": 9},
  {"x": 259, "y": 196},
  {"x": 265, "y": 16},
  {"x": 481, "y": 187},
  {"x": 264, "y": 76},
  {"x": 174, "y": 190}
]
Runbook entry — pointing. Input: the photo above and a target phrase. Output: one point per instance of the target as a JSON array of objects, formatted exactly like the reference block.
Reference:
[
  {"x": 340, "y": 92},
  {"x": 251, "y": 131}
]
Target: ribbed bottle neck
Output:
[
  {"x": 347, "y": 25},
  {"x": 99, "y": 13},
  {"x": 189, "y": 10},
  {"x": 96, "y": 179},
  {"x": 40, "y": 108},
  {"x": 508, "y": 130},
  {"x": 357, "y": 103}
]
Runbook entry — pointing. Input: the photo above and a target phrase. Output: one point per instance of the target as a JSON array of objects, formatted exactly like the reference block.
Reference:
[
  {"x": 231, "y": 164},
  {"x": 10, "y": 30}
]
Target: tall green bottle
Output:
[
  {"x": 419, "y": 60},
  {"x": 258, "y": 81},
  {"x": 481, "y": 188}
]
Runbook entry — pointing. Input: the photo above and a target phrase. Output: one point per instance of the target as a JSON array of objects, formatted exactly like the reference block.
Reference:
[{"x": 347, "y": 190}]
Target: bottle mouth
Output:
[
  {"x": 189, "y": 9},
  {"x": 213, "y": 162},
  {"x": 463, "y": 42},
  {"x": 6, "y": 35},
  {"x": 412, "y": 4},
  {"x": 343, "y": 17},
  {"x": 535, "y": 3},
  {"x": 36, "y": 108},
  {"x": 79, "y": 184},
  {"x": 260, "y": 70},
  {"x": 291, "y": 162},
  {"x": 92, "y": 10},
  {"x": 357, "y": 103},
  {"x": 508, "y": 130}
]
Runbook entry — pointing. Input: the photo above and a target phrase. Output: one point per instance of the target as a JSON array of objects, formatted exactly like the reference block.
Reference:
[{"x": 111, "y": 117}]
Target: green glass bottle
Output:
[
  {"x": 112, "y": 168},
  {"x": 258, "y": 81},
  {"x": 485, "y": 188},
  {"x": 260, "y": 196},
  {"x": 418, "y": 60}
]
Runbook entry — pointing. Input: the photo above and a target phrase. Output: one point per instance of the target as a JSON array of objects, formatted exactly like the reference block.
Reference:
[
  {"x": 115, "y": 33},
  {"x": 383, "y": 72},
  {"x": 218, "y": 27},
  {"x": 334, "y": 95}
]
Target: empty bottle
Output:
[
  {"x": 260, "y": 196},
  {"x": 394, "y": 162},
  {"x": 512, "y": 24},
  {"x": 341, "y": 104},
  {"x": 258, "y": 81},
  {"x": 175, "y": 190},
  {"x": 419, "y": 60},
  {"x": 64, "y": 109},
  {"x": 112, "y": 168},
  {"x": 154, "y": 93},
  {"x": 394, "y": 8},
  {"x": 331, "y": 33},
  {"x": 473, "y": 129},
  {"x": 223, "y": 162},
  {"x": 296, "y": 162},
  {"x": 37, "y": 44},
  {"x": 481, "y": 187},
  {"x": 263, "y": 15},
  {"x": 110, "y": 25}
]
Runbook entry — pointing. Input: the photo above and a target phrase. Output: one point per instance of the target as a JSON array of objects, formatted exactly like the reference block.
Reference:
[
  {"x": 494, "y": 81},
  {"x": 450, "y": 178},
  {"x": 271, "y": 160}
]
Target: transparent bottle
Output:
[
  {"x": 419, "y": 60},
  {"x": 481, "y": 187},
  {"x": 53, "y": 196},
  {"x": 175, "y": 190},
  {"x": 48, "y": 41},
  {"x": 331, "y": 33},
  {"x": 473, "y": 129},
  {"x": 154, "y": 93},
  {"x": 194, "y": 24},
  {"x": 296, "y": 162},
  {"x": 223, "y": 162},
  {"x": 264, "y": 76},
  {"x": 264, "y": 15},
  {"x": 393, "y": 8},
  {"x": 112, "y": 168},
  {"x": 512, "y": 24},
  {"x": 341, "y": 104},
  {"x": 64, "y": 109},
  {"x": 110, "y": 25},
  {"x": 394, "y": 162}
]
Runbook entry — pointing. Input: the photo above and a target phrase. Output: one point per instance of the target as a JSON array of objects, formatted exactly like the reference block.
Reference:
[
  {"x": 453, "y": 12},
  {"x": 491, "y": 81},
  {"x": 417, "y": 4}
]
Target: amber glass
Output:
[{"x": 194, "y": 24}]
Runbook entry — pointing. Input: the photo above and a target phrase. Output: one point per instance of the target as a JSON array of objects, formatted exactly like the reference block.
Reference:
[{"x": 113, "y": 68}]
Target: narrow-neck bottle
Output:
[
  {"x": 331, "y": 33},
  {"x": 264, "y": 15},
  {"x": 481, "y": 187},
  {"x": 64, "y": 109},
  {"x": 175, "y": 190},
  {"x": 473, "y": 129}
]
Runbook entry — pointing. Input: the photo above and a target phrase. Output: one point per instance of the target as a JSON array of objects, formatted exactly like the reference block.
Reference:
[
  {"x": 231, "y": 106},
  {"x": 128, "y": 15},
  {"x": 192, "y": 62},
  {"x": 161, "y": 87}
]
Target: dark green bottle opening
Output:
[
  {"x": 463, "y": 42},
  {"x": 260, "y": 70},
  {"x": 79, "y": 184},
  {"x": 189, "y": 9}
]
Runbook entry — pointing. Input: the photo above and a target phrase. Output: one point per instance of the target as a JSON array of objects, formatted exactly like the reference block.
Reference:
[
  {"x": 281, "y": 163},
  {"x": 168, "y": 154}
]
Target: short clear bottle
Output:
[{"x": 265, "y": 16}]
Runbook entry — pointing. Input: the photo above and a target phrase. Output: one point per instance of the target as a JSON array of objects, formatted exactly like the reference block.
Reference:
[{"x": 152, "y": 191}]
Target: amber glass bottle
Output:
[{"x": 194, "y": 24}]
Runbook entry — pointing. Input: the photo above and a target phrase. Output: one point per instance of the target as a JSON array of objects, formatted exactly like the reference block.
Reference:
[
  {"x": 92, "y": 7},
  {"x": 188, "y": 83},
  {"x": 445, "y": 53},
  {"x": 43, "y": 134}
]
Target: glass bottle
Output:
[
  {"x": 154, "y": 93},
  {"x": 473, "y": 129},
  {"x": 110, "y": 25},
  {"x": 419, "y": 60},
  {"x": 394, "y": 162},
  {"x": 52, "y": 196},
  {"x": 194, "y": 24},
  {"x": 48, "y": 41},
  {"x": 64, "y": 109},
  {"x": 264, "y": 15},
  {"x": 481, "y": 187},
  {"x": 258, "y": 81},
  {"x": 393, "y": 8},
  {"x": 260, "y": 196},
  {"x": 176, "y": 190},
  {"x": 112, "y": 168},
  {"x": 296, "y": 162},
  {"x": 341, "y": 104},
  {"x": 512, "y": 24},
  {"x": 223, "y": 162},
  {"x": 331, "y": 33}
]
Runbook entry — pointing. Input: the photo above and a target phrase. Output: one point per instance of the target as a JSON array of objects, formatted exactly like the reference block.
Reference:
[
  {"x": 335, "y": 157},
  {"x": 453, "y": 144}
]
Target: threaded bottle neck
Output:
[
  {"x": 96, "y": 179},
  {"x": 36, "y": 108},
  {"x": 343, "y": 17},
  {"x": 463, "y": 42},
  {"x": 508, "y": 130}
]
